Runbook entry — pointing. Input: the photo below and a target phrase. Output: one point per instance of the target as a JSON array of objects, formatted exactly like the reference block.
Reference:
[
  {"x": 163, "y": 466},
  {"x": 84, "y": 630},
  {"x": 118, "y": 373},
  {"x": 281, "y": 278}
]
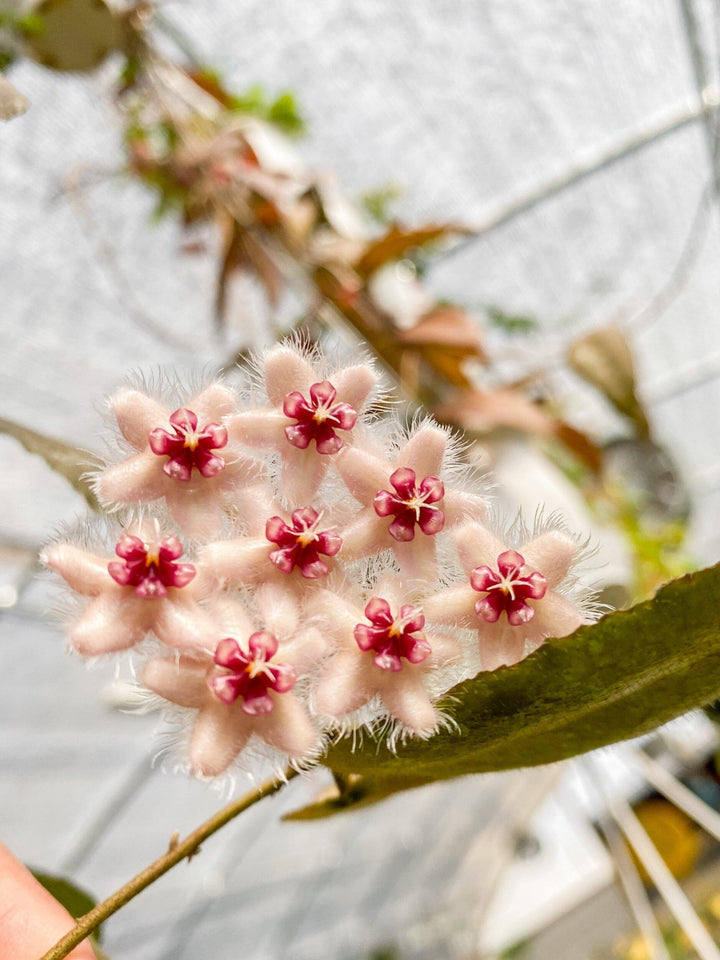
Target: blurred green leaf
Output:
[
  {"x": 378, "y": 202},
  {"x": 511, "y": 322},
  {"x": 70, "y": 462},
  {"x": 609, "y": 681},
  {"x": 76, "y": 901},
  {"x": 284, "y": 113}
]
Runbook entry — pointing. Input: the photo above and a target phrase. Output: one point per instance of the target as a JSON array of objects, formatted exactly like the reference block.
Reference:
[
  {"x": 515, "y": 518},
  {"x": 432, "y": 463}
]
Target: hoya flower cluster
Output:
[{"x": 286, "y": 564}]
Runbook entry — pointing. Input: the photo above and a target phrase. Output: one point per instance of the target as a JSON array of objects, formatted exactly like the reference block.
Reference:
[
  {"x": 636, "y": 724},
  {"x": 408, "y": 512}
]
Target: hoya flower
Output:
[
  {"x": 246, "y": 690},
  {"x": 383, "y": 653},
  {"x": 510, "y": 595},
  {"x": 287, "y": 549},
  {"x": 311, "y": 417},
  {"x": 144, "y": 588},
  {"x": 406, "y": 502},
  {"x": 183, "y": 456}
]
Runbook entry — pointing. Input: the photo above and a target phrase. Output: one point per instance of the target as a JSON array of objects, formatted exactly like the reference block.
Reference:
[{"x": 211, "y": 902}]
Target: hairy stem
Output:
[{"x": 177, "y": 852}]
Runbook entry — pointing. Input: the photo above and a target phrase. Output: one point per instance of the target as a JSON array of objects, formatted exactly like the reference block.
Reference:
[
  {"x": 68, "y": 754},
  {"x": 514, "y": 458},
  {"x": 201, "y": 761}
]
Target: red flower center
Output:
[
  {"x": 507, "y": 590},
  {"x": 318, "y": 418},
  {"x": 149, "y": 569},
  {"x": 393, "y": 639},
  {"x": 188, "y": 447},
  {"x": 411, "y": 504},
  {"x": 302, "y": 544},
  {"x": 250, "y": 675}
]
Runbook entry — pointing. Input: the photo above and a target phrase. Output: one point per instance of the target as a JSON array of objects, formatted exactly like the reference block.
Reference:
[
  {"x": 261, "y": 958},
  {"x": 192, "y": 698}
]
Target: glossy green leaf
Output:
[
  {"x": 610, "y": 681},
  {"x": 71, "y": 462}
]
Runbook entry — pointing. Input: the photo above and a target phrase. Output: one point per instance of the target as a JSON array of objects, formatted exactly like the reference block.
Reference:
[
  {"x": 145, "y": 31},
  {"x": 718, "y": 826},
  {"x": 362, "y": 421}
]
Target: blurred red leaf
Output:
[{"x": 511, "y": 410}]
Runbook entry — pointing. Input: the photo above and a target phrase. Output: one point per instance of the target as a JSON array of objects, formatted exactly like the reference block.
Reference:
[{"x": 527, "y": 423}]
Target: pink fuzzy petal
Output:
[
  {"x": 552, "y": 554},
  {"x": 285, "y": 371},
  {"x": 366, "y": 534},
  {"x": 501, "y": 645},
  {"x": 362, "y": 473},
  {"x": 424, "y": 451},
  {"x": 288, "y": 728},
  {"x": 477, "y": 546},
  {"x": 237, "y": 561},
  {"x": 344, "y": 686},
  {"x": 409, "y": 703},
  {"x": 82, "y": 571},
  {"x": 455, "y": 606},
  {"x": 197, "y": 510},
  {"x": 555, "y": 617},
  {"x": 139, "y": 478},
  {"x": 302, "y": 473},
  {"x": 460, "y": 507},
  {"x": 417, "y": 558},
  {"x": 108, "y": 624},
  {"x": 137, "y": 414},
  {"x": 181, "y": 682},
  {"x": 258, "y": 428},
  {"x": 213, "y": 403},
  {"x": 353, "y": 384},
  {"x": 184, "y": 625},
  {"x": 219, "y": 734}
]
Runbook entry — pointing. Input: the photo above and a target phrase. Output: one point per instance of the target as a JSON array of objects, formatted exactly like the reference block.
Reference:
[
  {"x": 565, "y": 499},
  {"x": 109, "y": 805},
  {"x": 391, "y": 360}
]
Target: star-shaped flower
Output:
[
  {"x": 287, "y": 550},
  {"x": 246, "y": 687},
  {"x": 184, "y": 456},
  {"x": 311, "y": 417},
  {"x": 510, "y": 596},
  {"x": 381, "y": 651},
  {"x": 144, "y": 588},
  {"x": 413, "y": 492}
]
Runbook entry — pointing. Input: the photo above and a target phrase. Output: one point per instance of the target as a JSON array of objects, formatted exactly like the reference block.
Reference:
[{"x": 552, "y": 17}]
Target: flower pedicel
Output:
[{"x": 288, "y": 585}]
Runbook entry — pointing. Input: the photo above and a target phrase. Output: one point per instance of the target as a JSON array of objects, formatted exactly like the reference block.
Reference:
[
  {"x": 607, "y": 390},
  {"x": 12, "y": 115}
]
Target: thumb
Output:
[{"x": 31, "y": 920}]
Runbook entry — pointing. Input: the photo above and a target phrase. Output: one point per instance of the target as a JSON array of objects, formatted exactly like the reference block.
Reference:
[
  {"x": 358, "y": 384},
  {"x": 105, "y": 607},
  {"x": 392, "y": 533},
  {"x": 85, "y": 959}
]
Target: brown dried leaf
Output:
[
  {"x": 70, "y": 462},
  {"x": 603, "y": 358},
  {"x": 398, "y": 240}
]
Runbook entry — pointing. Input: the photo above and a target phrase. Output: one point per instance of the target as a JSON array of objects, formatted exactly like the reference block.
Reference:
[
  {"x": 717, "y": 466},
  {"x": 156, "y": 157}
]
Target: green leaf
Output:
[
  {"x": 70, "y": 462},
  {"x": 613, "y": 680},
  {"x": 284, "y": 113},
  {"x": 511, "y": 322},
  {"x": 76, "y": 901}
]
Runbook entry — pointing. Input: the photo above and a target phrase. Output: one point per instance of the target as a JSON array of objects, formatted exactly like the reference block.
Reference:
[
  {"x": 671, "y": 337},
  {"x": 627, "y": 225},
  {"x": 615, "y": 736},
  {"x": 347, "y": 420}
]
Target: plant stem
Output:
[{"x": 177, "y": 852}]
